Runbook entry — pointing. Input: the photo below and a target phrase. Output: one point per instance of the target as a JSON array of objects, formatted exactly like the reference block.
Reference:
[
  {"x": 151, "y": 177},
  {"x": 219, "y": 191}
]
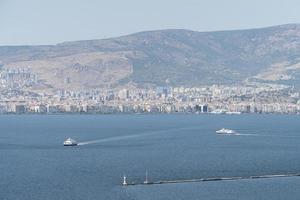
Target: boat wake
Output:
[
  {"x": 267, "y": 135},
  {"x": 246, "y": 134},
  {"x": 110, "y": 139},
  {"x": 125, "y": 137}
]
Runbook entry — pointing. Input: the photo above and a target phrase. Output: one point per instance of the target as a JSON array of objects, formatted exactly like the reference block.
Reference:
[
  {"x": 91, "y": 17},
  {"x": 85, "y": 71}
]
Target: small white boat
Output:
[
  {"x": 226, "y": 131},
  {"x": 70, "y": 142}
]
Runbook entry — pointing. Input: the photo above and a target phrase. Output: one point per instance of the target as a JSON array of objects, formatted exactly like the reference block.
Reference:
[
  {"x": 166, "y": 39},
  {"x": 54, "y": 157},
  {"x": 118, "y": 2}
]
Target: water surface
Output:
[{"x": 35, "y": 165}]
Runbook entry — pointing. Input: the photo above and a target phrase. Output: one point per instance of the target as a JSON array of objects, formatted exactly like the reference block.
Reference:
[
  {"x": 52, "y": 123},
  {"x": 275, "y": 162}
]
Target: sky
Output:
[{"x": 33, "y": 22}]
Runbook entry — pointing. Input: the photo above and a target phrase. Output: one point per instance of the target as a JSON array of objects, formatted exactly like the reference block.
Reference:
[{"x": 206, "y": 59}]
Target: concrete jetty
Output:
[{"x": 211, "y": 179}]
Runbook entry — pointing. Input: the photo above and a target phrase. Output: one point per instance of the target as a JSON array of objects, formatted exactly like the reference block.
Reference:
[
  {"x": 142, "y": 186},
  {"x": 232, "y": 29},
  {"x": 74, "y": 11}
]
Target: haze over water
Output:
[{"x": 35, "y": 165}]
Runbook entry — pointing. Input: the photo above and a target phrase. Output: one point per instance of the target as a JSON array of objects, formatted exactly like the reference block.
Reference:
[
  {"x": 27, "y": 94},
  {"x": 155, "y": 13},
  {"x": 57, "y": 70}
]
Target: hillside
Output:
[{"x": 173, "y": 57}]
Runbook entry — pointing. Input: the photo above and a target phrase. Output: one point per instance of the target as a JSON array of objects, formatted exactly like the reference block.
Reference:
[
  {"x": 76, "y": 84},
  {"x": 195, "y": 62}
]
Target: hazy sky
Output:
[{"x": 53, "y": 21}]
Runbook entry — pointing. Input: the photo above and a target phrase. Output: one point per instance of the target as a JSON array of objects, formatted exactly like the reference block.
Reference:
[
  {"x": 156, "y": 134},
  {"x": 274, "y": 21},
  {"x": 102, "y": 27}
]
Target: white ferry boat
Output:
[
  {"x": 70, "y": 142},
  {"x": 226, "y": 131},
  {"x": 233, "y": 113}
]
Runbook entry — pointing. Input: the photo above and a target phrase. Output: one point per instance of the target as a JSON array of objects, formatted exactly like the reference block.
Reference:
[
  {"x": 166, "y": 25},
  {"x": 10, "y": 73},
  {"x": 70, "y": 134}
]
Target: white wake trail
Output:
[
  {"x": 267, "y": 135},
  {"x": 125, "y": 137},
  {"x": 110, "y": 139},
  {"x": 246, "y": 134}
]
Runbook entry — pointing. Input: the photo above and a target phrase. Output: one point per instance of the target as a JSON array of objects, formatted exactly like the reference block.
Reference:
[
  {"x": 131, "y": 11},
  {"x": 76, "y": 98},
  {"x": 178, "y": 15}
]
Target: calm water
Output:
[{"x": 35, "y": 165}]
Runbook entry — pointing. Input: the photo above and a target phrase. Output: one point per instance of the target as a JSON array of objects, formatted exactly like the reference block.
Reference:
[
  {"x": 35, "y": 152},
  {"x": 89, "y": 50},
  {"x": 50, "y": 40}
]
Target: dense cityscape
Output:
[{"x": 219, "y": 99}]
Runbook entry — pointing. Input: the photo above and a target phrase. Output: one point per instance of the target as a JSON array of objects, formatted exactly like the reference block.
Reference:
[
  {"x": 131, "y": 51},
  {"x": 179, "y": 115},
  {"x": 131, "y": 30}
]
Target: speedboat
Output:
[
  {"x": 70, "y": 142},
  {"x": 226, "y": 131}
]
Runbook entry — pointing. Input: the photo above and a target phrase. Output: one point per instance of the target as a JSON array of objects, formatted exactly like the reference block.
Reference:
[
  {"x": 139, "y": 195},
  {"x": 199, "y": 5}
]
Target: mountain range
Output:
[{"x": 173, "y": 57}]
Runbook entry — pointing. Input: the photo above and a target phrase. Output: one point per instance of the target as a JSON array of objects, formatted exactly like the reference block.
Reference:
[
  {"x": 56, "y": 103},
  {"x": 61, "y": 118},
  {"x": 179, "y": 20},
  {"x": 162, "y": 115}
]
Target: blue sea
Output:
[{"x": 35, "y": 165}]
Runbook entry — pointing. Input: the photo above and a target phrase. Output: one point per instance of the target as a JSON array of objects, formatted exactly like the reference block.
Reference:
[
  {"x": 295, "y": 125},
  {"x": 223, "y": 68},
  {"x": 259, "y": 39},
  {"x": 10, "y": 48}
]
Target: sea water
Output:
[{"x": 34, "y": 164}]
